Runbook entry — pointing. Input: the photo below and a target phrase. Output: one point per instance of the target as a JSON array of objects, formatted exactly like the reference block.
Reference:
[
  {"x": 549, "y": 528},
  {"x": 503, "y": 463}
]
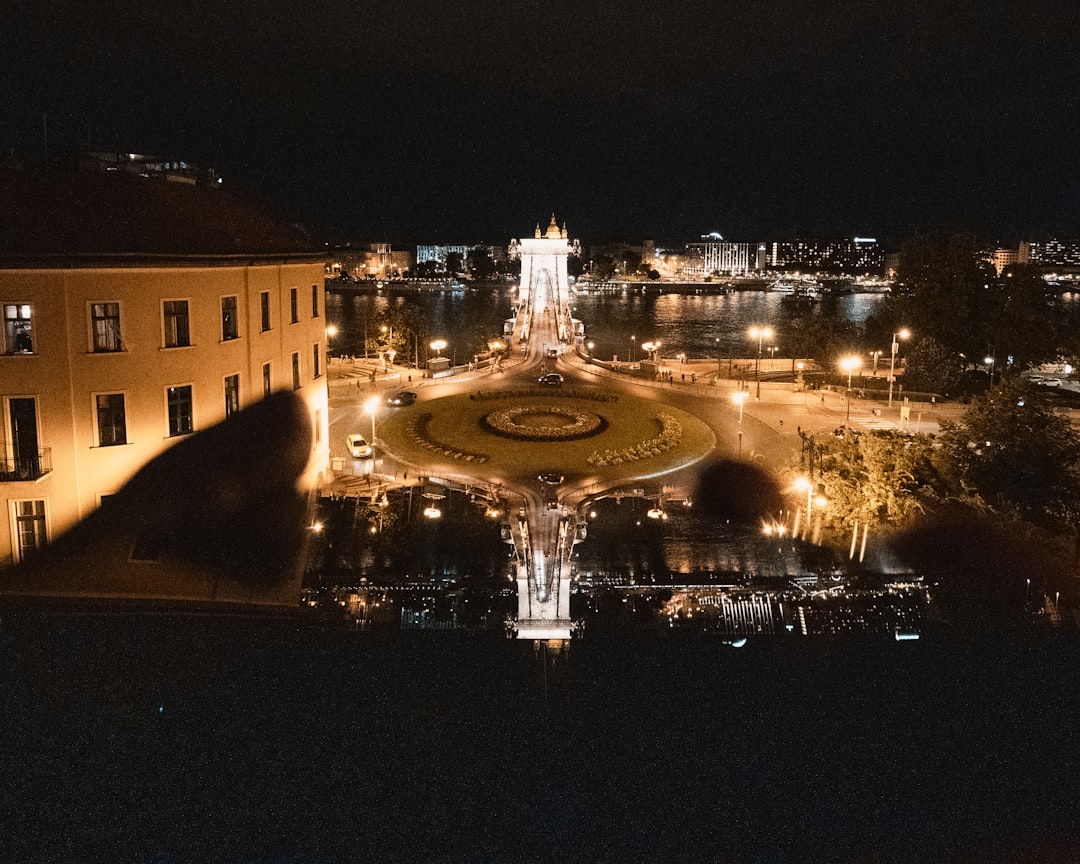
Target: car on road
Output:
[
  {"x": 400, "y": 398},
  {"x": 552, "y": 379},
  {"x": 358, "y": 446},
  {"x": 552, "y": 478},
  {"x": 1050, "y": 382}
]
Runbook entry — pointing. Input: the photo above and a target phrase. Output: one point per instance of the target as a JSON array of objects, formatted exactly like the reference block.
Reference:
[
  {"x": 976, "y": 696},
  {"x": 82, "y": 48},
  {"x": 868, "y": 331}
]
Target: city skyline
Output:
[{"x": 631, "y": 120}]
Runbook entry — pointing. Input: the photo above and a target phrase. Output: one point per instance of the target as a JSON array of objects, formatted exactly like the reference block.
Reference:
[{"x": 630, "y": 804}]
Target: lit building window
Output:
[{"x": 18, "y": 335}]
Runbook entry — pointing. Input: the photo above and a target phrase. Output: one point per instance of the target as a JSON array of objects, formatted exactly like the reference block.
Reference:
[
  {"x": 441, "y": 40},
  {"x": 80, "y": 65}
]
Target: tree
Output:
[
  {"x": 1026, "y": 326},
  {"x": 480, "y": 264},
  {"x": 454, "y": 262},
  {"x": 878, "y": 478},
  {"x": 931, "y": 369},
  {"x": 944, "y": 291},
  {"x": 1013, "y": 451}
]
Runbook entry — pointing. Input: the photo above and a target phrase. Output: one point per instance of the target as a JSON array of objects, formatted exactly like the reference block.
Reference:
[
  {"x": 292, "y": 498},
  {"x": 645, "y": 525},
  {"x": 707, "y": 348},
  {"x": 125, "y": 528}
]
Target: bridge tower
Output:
[{"x": 544, "y": 283}]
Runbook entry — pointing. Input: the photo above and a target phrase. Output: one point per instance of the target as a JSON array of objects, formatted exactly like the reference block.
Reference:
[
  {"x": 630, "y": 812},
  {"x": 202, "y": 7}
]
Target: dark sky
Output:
[{"x": 435, "y": 121}]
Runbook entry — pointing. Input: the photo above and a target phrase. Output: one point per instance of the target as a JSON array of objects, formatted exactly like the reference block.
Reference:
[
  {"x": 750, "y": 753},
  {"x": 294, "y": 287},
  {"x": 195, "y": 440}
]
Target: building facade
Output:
[{"x": 115, "y": 346}]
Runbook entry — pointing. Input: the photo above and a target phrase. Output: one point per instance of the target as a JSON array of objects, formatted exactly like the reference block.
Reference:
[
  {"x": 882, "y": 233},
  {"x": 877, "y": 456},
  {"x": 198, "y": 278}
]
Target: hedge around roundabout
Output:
[{"x": 634, "y": 438}]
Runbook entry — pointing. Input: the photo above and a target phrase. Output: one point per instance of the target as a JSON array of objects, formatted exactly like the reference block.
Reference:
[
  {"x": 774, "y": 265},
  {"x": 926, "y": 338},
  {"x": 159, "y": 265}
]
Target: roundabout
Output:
[{"x": 514, "y": 432}]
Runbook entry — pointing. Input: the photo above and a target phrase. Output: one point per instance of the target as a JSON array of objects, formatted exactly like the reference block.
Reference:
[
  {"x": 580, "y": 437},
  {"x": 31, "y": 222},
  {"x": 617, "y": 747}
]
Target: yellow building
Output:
[{"x": 136, "y": 312}]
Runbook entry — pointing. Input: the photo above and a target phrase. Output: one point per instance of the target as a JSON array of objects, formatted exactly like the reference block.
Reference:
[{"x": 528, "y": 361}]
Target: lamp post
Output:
[
  {"x": 718, "y": 358},
  {"x": 989, "y": 361},
  {"x": 759, "y": 333},
  {"x": 899, "y": 334},
  {"x": 739, "y": 397},
  {"x": 437, "y": 345},
  {"x": 849, "y": 365},
  {"x": 632, "y": 338},
  {"x": 875, "y": 355},
  {"x": 370, "y": 407}
]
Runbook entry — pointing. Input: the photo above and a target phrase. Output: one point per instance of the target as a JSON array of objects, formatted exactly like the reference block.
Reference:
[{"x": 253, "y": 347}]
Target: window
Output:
[
  {"x": 314, "y": 301},
  {"x": 111, "y": 420},
  {"x": 18, "y": 329},
  {"x": 177, "y": 332},
  {"x": 105, "y": 327},
  {"x": 229, "y": 325},
  {"x": 232, "y": 395},
  {"x": 266, "y": 379},
  {"x": 180, "y": 412},
  {"x": 318, "y": 426},
  {"x": 316, "y": 366},
  {"x": 296, "y": 370},
  {"x": 31, "y": 533},
  {"x": 264, "y": 309},
  {"x": 294, "y": 305}
]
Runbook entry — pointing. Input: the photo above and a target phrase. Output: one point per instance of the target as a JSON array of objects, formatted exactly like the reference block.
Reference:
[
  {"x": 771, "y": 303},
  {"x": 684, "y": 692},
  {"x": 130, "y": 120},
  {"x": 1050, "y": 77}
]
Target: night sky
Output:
[{"x": 431, "y": 121}]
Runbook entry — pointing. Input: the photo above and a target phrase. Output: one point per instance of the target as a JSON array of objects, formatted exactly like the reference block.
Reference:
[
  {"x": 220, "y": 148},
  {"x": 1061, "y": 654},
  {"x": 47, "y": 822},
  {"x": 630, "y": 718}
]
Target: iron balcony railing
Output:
[{"x": 26, "y": 467}]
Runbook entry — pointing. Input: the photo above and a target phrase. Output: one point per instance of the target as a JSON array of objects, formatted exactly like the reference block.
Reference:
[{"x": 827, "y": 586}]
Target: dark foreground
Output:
[{"x": 157, "y": 739}]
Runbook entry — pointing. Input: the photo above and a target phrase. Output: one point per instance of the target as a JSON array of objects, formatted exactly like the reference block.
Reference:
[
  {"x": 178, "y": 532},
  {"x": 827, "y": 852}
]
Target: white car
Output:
[
  {"x": 1050, "y": 382},
  {"x": 358, "y": 446}
]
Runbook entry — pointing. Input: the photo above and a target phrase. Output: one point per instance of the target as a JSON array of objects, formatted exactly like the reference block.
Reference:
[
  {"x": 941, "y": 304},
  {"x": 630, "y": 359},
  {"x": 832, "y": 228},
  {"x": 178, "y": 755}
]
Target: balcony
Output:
[{"x": 26, "y": 467}]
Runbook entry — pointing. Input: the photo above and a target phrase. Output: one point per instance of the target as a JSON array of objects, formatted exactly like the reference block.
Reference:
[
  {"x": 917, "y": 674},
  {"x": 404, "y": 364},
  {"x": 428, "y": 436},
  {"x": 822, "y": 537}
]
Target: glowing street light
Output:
[
  {"x": 437, "y": 345},
  {"x": 849, "y": 365},
  {"x": 899, "y": 334},
  {"x": 875, "y": 355},
  {"x": 740, "y": 398},
  {"x": 989, "y": 361},
  {"x": 761, "y": 334}
]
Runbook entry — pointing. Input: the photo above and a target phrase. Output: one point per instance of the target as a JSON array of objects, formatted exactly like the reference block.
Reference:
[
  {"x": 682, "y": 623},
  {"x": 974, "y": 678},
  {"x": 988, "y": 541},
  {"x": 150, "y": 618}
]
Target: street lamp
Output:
[
  {"x": 849, "y": 365},
  {"x": 437, "y": 345},
  {"x": 370, "y": 407},
  {"x": 989, "y": 361},
  {"x": 875, "y": 355},
  {"x": 759, "y": 333},
  {"x": 740, "y": 397},
  {"x": 899, "y": 334},
  {"x": 718, "y": 359},
  {"x": 632, "y": 348}
]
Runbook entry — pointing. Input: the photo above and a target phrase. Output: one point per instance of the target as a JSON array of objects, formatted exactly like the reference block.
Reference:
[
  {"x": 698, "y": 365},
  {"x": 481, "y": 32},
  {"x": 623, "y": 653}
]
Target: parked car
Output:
[
  {"x": 552, "y": 478},
  {"x": 551, "y": 379},
  {"x": 400, "y": 398},
  {"x": 358, "y": 446}
]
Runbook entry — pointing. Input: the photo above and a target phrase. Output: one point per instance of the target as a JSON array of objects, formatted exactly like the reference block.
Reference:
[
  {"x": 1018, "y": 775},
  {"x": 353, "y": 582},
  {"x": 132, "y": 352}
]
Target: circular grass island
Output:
[{"x": 516, "y": 433}]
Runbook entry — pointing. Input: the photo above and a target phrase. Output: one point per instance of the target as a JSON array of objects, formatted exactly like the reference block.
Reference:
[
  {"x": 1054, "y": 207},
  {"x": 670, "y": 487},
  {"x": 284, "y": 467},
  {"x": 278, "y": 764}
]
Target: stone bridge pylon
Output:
[{"x": 544, "y": 282}]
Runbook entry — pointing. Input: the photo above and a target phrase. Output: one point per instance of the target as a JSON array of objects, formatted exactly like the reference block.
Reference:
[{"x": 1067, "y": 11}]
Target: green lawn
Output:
[{"x": 454, "y": 423}]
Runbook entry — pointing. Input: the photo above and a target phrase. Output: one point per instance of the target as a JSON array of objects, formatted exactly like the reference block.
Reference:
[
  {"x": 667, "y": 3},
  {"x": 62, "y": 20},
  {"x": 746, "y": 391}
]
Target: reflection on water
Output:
[{"x": 624, "y": 545}]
